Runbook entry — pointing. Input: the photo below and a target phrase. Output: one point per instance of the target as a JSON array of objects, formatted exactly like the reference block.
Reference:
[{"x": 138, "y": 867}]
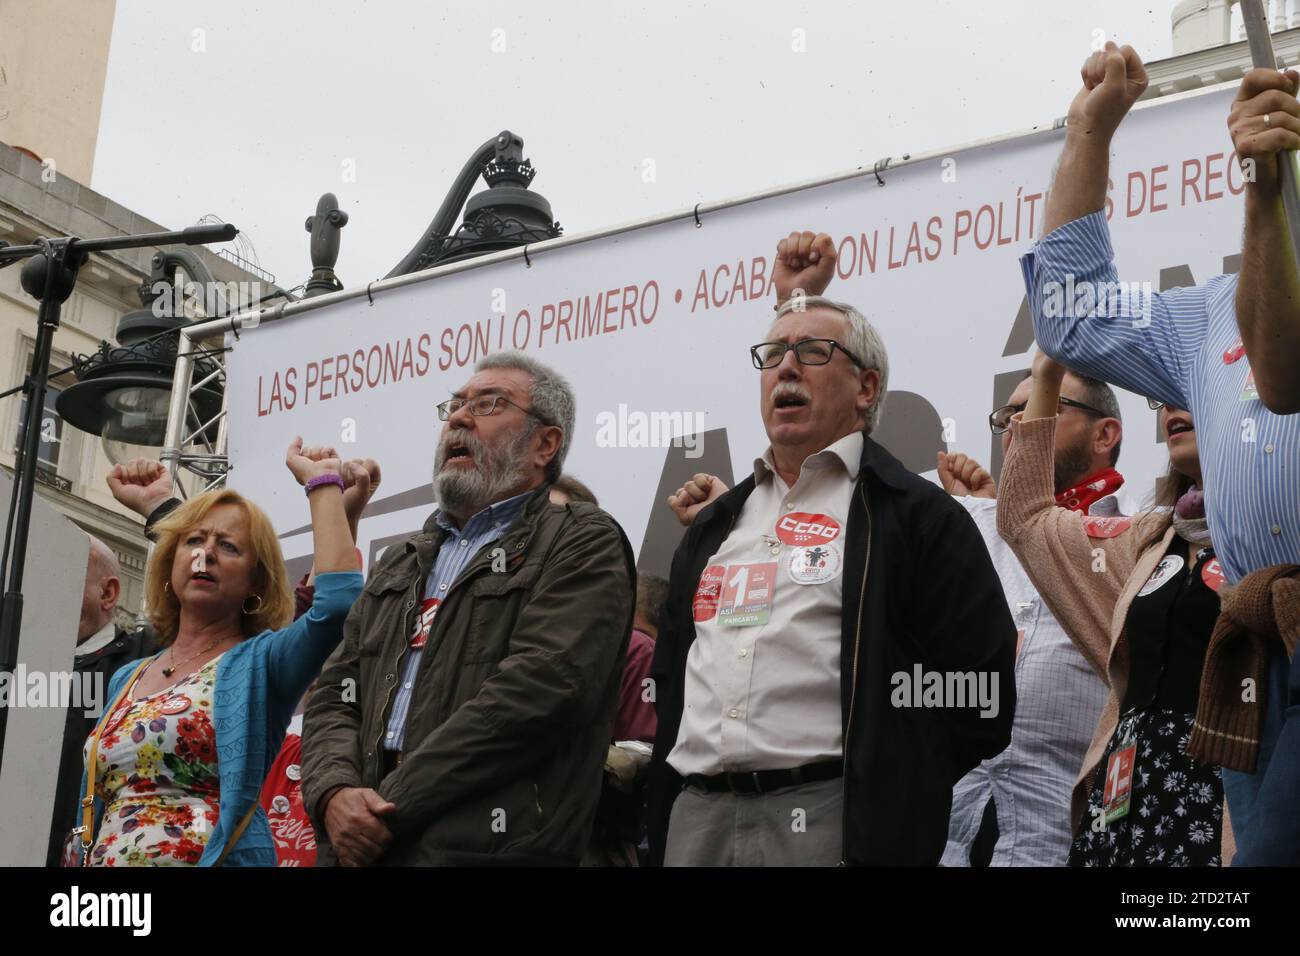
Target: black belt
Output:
[{"x": 762, "y": 781}]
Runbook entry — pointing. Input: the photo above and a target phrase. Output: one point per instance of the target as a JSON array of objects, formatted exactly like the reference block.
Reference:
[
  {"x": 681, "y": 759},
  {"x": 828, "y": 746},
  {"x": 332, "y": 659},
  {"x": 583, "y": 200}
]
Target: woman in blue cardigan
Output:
[{"x": 178, "y": 758}]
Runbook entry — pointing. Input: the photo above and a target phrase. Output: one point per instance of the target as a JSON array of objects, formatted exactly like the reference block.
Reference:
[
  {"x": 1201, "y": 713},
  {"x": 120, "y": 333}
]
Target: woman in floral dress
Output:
[{"x": 177, "y": 765}]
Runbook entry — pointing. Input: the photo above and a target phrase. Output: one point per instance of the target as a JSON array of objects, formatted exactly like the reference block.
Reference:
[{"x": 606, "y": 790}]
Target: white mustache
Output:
[{"x": 791, "y": 390}]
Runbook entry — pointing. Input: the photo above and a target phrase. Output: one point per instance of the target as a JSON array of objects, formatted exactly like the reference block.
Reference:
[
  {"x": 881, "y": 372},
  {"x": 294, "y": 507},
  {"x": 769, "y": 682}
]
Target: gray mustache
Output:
[{"x": 458, "y": 438}]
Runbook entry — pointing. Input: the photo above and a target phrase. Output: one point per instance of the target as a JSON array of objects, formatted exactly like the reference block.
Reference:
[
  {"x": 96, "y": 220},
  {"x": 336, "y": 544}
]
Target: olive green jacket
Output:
[{"x": 514, "y": 700}]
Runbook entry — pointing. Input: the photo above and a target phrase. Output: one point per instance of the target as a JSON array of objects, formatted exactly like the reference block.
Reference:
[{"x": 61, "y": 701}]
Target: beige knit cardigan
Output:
[{"x": 1087, "y": 582}]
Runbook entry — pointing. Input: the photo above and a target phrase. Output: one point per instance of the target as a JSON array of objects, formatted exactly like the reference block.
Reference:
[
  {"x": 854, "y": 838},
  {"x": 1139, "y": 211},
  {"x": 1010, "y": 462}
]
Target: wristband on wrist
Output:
[{"x": 314, "y": 483}]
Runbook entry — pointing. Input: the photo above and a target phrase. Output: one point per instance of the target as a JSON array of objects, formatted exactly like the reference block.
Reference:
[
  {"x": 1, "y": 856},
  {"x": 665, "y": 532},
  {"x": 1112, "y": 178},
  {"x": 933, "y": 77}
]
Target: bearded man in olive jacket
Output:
[{"x": 466, "y": 716}]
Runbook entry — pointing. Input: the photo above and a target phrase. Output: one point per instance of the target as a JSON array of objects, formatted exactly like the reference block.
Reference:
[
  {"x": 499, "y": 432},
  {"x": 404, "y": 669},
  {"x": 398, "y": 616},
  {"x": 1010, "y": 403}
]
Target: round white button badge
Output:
[
  {"x": 1169, "y": 565},
  {"x": 814, "y": 565}
]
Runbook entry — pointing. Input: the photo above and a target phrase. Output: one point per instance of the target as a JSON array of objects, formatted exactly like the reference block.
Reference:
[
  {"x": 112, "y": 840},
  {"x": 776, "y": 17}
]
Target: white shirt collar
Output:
[
  {"x": 100, "y": 639},
  {"x": 848, "y": 450}
]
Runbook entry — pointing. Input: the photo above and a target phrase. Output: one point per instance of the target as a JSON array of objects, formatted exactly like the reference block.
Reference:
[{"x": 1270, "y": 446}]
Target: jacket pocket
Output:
[{"x": 497, "y": 600}]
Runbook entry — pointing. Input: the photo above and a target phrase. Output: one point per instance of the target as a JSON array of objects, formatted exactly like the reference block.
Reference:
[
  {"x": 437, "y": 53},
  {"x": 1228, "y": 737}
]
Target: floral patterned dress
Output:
[
  {"x": 157, "y": 776},
  {"x": 1174, "y": 814}
]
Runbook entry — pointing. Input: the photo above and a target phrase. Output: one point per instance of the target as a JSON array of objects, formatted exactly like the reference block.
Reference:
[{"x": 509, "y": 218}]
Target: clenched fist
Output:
[
  {"x": 361, "y": 478},
  {"x": 804, "y": 261},
  {"x": 963, "y": 476},
  {"x": 1113, "y": 79},
  {"x": 691, "y": 497},
  {"x": 141, "y": 485},
  {"x": 306, "y": 462}
]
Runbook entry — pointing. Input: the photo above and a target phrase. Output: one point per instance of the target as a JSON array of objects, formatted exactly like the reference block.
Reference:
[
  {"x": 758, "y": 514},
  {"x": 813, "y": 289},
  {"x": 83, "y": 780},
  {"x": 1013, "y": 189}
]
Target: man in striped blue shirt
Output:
[{"x": 1199, "y": 349}]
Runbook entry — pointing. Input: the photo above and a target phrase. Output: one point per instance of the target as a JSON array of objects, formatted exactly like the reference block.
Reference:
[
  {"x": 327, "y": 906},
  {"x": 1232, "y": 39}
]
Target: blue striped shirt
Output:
[
  {"x": 1174, "y": 346},
  {"x": 1181, "y": 347},
  {"x": 459, "y": 547}
]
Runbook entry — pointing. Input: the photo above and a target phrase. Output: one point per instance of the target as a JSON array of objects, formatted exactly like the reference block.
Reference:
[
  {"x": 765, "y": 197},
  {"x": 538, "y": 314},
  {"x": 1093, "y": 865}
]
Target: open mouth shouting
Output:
[
  {"x": 789, "y": 400},
  {"x": 460, "y": 451},
  {"x": 459, "y": 454},
  {"x": 1176, "y": 424}
]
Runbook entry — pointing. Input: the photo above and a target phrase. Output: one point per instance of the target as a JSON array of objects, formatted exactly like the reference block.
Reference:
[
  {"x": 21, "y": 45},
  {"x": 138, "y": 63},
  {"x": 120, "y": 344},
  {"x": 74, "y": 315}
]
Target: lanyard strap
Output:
[{"x": 87, "y": 828}]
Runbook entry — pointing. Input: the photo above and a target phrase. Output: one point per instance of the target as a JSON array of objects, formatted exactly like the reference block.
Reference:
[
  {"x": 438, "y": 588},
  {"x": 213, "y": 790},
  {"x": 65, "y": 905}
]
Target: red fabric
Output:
[
  {"x": 636, "y": 716},
  {"x": 1091, "y": 490},
  {"x": 295, "y": 840}
]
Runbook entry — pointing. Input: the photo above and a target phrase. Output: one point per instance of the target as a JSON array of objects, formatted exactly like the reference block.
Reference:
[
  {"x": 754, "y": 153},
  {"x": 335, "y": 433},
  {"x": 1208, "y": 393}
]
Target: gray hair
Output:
[
  {"x": 863, "y": 341},
  {"x": 551, "y": 398}
]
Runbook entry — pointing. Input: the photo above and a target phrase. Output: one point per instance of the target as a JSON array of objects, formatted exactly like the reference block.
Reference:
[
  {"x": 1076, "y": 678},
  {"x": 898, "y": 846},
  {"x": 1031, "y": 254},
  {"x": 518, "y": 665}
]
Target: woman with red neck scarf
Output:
[{"x": 1140, "y": 594}]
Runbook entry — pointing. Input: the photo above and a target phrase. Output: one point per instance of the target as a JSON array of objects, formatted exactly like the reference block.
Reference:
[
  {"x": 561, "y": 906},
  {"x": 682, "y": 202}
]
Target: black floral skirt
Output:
[{"x": 1175, "y": 815}]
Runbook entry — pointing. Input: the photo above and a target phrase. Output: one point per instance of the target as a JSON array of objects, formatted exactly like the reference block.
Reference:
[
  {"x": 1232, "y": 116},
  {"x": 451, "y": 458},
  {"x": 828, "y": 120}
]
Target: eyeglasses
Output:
[
  {"x": 1000, "y": 419},
  {"x": 1155, "y": 404},
  {"x": 480, "y": 406},
  {"x": 807, "y": 351}
]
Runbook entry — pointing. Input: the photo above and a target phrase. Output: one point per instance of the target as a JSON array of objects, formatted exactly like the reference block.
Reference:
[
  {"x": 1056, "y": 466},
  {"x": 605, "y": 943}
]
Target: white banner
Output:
[{"x": 652, "y": 326}]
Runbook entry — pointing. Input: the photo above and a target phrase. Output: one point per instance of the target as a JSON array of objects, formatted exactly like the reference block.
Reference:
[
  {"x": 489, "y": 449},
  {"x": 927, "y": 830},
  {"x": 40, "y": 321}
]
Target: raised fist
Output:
[
  {"x": 1113, "y": 79},
  {"x": 691, "y": 498},
  {"x": 804, "y": 261},
  {"x": 306, "y": 462},
  {"x": 141, "y": 485},
  {"x": 963, "y": 476},
  {"x": 361, "y": 478}
]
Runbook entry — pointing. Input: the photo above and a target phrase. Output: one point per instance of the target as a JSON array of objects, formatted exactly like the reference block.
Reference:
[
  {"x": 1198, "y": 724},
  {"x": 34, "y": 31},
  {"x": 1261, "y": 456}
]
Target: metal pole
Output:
[
  {"x": 1262, "y": 56},
  {"x": 57, "y": 286},
  {"x": 180, "y": 400}
]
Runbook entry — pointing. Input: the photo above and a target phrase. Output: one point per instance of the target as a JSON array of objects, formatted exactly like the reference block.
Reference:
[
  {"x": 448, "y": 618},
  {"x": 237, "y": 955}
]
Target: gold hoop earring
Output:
[
  {"x": 256, "y": 610},
  {"x": 167, "y": 586}
]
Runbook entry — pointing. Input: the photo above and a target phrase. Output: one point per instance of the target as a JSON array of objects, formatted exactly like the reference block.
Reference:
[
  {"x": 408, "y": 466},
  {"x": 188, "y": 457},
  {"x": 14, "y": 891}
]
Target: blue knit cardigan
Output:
[{"x": 258, "y": 685}]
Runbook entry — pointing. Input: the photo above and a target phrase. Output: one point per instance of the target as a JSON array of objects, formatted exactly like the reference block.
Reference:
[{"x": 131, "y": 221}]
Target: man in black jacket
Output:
[
  {"x": 102, "y": 648},
  {"x": 837, "y": 650}
]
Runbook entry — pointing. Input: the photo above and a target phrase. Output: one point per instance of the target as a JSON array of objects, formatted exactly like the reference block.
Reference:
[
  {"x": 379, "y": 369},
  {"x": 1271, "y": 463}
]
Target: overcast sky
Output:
[{"x": 270, "y": 104}]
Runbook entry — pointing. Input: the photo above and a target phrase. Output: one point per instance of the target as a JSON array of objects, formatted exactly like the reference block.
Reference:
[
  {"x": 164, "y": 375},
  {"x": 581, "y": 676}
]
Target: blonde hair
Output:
[{"x": 271, "y": 577}]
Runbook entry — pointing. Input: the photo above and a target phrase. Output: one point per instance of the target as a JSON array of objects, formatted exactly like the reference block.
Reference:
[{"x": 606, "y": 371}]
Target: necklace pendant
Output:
[{"x": 168, "y": 671}]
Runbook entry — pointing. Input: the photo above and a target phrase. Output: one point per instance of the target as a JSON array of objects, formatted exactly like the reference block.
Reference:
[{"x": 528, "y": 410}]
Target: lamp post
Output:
[
  {"x": 505, "y": 215},
  {"x": 50, "y": 276},
  {"x": 123, "y": 391}
]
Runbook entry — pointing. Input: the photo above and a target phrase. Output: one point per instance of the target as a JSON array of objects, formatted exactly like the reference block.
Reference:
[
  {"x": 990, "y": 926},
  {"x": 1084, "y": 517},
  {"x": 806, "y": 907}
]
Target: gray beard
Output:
[{"x": 465, "y": 492}]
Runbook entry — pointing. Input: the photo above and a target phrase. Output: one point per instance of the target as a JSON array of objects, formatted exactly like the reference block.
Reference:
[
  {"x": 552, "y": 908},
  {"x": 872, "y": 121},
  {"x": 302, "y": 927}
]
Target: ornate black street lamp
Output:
[
  {"x": 123, "y": 391},
  {"x": 505, "y": 215}
]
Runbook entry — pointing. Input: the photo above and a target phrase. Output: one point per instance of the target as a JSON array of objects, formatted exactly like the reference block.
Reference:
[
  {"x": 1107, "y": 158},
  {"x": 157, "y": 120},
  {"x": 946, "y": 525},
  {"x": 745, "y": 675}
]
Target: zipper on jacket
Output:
[
  {"x": 853, "y": 688},
  {"x": 397, "y": 676}
]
